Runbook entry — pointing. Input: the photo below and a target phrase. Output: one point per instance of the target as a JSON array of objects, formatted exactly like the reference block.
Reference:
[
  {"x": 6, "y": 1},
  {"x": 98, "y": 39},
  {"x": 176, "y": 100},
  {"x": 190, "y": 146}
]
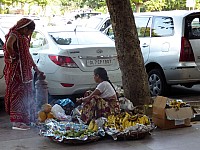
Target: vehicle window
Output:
[
  {"x": 79, "y": 38},
  {"x": 64, "y": 38},
  {"x": 105, "y": 25},
  {"x": 110, "y": 33},
  {"x": 88, "y": 15},
  {"x": 93, "y": 22},
  {"x": 1, "y": 44},
  {"x": 38, "y": 40},
  {"x": 162, "y": 26},
  {"x": 193, "y": 27},
  {"x": 143, "y": 26}
]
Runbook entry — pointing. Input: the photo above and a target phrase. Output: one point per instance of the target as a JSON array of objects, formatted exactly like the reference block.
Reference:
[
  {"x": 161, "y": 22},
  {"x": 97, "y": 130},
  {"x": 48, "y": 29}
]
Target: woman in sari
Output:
[
  {"x": 103, "y": 101},
  {"x": 19, "y": 101}
]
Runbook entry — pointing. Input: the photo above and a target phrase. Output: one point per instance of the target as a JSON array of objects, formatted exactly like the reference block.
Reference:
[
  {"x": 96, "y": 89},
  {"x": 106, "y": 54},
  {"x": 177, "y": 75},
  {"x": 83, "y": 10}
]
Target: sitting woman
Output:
[{"x": 102, "y": 101}]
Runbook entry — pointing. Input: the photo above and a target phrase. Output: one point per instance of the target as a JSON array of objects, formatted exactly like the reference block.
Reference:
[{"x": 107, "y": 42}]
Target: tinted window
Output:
[
  {"x": 192, "y": 29},
  {"x": 143, "y": 26},
  {"x": 110, "y": 32},
  {"x": 1, "y": 44},
  {"x": 162, "y": 26},
  {"x": 105, "y": 25},
  {"x": 79, "y": 38}
]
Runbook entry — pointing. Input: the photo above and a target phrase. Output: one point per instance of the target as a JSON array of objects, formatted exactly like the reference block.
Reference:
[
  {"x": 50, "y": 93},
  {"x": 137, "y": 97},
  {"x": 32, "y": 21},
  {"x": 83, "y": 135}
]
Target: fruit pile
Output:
[
  {"x": 93, "y": 126},
  {"x": 45, "y": 113},
  {"x": 125, "y": 120},
  {"x": 73, "y": 133},
  {"x": 68, "y": 130},
  {"x": 177, "y": 104}
]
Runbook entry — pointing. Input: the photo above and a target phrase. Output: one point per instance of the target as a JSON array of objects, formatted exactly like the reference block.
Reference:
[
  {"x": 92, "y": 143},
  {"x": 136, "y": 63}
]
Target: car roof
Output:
[
  {"x": 69, "y": 28},
  {"x": 172, "y": 13}
]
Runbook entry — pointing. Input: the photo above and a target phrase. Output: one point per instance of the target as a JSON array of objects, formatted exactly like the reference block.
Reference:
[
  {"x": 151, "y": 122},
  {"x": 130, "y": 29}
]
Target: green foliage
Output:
[
  {"x": 94, "y": 4},
  {"x": 41, "y": 2},
  {"x": 154, "y": 5},
  {"x": 198, "y": 4},
  {"x": 159, "y": 5},
  {"x": 102, "y": 9},
  {"x": 175, "y": 4},
  {"x": 138, "y": 1}
]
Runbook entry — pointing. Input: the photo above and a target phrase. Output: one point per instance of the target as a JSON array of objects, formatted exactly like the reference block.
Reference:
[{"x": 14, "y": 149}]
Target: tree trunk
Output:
[
  {"x": 134, "y": 76},
  {"x": 137, "y": 5}
]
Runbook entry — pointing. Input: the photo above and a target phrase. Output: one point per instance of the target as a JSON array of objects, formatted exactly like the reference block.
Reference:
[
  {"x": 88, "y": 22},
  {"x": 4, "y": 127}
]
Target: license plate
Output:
[{"x": 99, "y": 62}]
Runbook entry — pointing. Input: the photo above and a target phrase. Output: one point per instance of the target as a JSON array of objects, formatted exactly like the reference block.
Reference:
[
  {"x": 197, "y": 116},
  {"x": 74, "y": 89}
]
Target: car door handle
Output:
[
  {"x": 145, "y": 45},
  {"x": 1, "y": 56},
  {"x": 35, "y": 53}
]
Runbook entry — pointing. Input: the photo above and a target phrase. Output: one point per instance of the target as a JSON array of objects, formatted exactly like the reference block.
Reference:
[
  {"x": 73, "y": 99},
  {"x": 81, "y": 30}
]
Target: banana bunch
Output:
[
  {"x": 125, "y": 120},
  {"x": 176, "y": 104},
  {"x": 93, "y": 126}
]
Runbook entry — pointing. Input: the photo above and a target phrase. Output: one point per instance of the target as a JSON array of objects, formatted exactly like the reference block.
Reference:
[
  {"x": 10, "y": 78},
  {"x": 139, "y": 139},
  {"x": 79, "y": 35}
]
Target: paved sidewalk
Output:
[{"x": 182, "y": 138}]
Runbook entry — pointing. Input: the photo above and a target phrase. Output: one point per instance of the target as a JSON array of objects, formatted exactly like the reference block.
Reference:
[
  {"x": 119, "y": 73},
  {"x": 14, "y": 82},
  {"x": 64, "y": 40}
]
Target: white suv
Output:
[{"x": 170, "y": 44}]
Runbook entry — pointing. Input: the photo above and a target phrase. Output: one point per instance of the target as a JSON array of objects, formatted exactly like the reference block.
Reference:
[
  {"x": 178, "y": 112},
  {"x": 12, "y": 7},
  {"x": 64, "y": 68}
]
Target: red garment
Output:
[{"x": 19, "y": 101}]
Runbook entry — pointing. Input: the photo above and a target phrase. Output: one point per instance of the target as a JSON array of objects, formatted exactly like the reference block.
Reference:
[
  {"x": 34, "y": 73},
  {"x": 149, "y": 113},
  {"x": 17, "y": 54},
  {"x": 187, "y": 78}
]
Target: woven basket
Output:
[{"x": 132, "y": 135}]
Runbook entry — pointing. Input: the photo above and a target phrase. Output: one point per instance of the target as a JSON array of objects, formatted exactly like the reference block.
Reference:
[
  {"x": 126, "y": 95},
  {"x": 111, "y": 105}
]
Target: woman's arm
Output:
[
  {"x": 35, "y": 68},
  {"x": 86, "y": 99},
  {"x": 9, "y": 46}
]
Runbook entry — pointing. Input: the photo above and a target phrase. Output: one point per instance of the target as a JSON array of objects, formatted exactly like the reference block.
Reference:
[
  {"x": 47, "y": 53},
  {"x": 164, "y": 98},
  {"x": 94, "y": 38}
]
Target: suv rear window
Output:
[
  {"x": 192, "y": 27},
  {"x": 162, "y": 26}
]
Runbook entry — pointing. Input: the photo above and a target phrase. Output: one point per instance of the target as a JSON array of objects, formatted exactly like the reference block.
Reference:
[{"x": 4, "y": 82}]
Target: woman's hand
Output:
[
  {"x": 82, "y": 100},
  {"x": 35, "y": 68},
  {"x": 79, "y": 100}
]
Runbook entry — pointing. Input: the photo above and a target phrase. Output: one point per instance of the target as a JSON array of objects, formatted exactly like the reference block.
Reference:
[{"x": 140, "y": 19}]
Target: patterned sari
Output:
[
  {"x": 19, "y": 101},
  {"x": 98, "y": 107}
]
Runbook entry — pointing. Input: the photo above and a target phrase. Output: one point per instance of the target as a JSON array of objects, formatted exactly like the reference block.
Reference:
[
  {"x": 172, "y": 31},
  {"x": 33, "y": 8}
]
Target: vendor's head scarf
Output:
[{"x": 19, "y": 25}]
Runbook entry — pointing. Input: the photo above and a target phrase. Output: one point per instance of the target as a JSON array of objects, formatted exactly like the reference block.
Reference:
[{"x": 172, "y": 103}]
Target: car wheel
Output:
[{"x": 157, "y": 83}]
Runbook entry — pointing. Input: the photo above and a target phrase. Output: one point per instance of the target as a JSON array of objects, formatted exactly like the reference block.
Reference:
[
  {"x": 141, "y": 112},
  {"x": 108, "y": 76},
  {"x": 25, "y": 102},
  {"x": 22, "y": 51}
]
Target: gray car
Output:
[{"x": 169, "y": 42}]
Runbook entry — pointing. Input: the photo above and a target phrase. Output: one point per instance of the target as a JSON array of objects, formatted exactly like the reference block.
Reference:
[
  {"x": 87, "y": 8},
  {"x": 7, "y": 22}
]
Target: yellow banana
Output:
[
  {"x": 95, "y": 127},
  {"x": 91, "y": 125},
  {"x": 133, "y": 123},
  {"x": 146, "y": 120}
]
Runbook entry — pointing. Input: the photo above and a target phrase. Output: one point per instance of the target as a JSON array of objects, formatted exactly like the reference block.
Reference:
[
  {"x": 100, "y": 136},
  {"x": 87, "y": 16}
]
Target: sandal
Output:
[{"x": 20, "y": 126}]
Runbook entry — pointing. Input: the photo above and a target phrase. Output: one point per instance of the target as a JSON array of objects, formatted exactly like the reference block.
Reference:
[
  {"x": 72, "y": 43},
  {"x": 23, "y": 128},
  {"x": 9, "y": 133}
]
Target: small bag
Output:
[{"x": 66, "y": 104}]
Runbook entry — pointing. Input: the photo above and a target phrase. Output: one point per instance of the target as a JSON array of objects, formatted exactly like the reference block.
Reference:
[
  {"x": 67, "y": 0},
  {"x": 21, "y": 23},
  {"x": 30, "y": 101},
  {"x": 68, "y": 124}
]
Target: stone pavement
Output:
[{"x": 182, "y": 138}]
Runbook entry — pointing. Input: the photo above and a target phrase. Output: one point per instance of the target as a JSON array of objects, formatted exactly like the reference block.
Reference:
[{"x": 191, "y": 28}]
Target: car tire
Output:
[{"x": 157, "y": 83}]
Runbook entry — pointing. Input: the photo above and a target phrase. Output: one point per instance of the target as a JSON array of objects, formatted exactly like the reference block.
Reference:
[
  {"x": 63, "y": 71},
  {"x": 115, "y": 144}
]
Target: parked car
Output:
[
  {"x": 169, "y": 42},
  {"x": 69, "y": 54},
  {"x": 2, "y": 64}
]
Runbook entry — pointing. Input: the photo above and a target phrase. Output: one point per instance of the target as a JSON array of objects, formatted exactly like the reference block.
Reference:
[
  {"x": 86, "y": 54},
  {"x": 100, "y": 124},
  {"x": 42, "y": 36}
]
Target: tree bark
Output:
[
  {"x": 137, "y": 5},
  {"x": 134, "y": 76}
]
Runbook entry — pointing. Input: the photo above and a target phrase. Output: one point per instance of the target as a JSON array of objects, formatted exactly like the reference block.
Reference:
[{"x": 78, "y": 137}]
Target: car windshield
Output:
[
  {"x": 79, "y": 38},
  {"x": 93, "y": 22}
]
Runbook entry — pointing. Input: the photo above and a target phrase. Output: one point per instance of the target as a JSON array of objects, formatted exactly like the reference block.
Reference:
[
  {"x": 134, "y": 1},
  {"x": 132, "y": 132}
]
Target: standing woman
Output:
[
  {"x": 19, "y": 101},
  {"x": 103, "y": 101}
]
